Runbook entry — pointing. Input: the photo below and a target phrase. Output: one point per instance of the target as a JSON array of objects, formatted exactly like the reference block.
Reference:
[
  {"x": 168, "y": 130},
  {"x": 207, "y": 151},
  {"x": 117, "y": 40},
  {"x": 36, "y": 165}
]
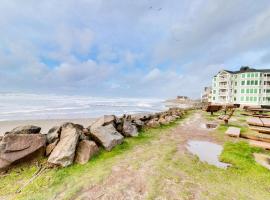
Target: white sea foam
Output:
[{"x": 18, "y": 106}]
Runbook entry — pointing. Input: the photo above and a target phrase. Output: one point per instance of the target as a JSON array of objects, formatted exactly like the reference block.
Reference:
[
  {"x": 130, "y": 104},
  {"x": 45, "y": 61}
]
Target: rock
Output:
[
  {"x": 102, "y": 121},
  {"x": 84, "y": 137},
  {"x": 163, "y": 121},
  {"x": 169, "y": 119},
  {"x": 53, "y": 134},
  {"x": 107, "y": 136},
  {"x": 17, "y": 147},
  {"x": 85, "y": 150},
  {"x": 139, "y": 124},
  {"x": 51, "y": 147},
  {"x": 64, "y": 152},
  {"x": 153, "y": 123},
  {"x": 129, "y": 130},
  {"x": 30, "y": 129}
]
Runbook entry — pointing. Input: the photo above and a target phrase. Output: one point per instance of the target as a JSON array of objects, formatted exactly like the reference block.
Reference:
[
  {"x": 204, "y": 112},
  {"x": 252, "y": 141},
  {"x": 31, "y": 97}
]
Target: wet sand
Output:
[{"x": 44, "y": 124}]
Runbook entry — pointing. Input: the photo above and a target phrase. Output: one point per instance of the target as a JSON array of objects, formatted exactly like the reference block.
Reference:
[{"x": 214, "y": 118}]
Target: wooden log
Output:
[
  {"x": 260, "y": 129},
  {"x": 255, "y": 121},
  {"x": 233, "y": 132},
  {"x": 258, "y": 137},
  {"x": 264, "y": 145}
]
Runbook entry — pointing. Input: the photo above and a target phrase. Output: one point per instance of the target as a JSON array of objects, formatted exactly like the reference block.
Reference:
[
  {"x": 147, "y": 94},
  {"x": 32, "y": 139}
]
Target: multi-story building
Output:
[{"x": 245, "y": 87}]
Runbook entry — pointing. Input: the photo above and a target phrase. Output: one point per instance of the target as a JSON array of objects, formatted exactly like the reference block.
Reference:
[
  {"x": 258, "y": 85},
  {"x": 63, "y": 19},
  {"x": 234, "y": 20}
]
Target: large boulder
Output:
[
  {"x": 29, "y": 129},
  {"x": 64, "y": 152},
  {"x": 129, "y": 129},
  {"x": 85, "y": 151},
  {"x": 53, "y": 134},
  {"x": 17, "y": 147},
  {"x": 103, "y": 121},
  {"x": 107, "y": 136}
]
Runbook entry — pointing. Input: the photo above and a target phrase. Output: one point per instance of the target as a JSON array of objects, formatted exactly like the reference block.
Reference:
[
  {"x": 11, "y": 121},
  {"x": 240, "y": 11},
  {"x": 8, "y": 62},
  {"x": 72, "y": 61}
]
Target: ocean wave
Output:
[{"x": 16, "y": 106}]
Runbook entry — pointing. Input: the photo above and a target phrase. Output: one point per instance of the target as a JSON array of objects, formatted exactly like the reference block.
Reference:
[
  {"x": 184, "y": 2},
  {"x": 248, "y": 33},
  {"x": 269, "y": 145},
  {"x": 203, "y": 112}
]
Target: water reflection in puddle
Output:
[{"x": 207, "y": 152}]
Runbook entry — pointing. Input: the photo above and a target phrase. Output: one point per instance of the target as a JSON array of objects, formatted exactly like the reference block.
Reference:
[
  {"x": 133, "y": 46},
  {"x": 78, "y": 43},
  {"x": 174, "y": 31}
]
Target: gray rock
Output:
[
  {"x": 17, "y": 147},
  {"x": 163, "y": 121},
  {"x": 51, "y": 147},
  {"x": 103, "y": 121},
  {"x": 139, "y": 124},
  {"x": 153, "y": 123},
  {"x": 29, "y": 129},
  {"x": 107, "y": 136},
  {"x": 64, "y": 152},
  {"x": 85, "y": 151},
  {"x": 53, "y": 134},
  {"x": 129, "y": 129}
]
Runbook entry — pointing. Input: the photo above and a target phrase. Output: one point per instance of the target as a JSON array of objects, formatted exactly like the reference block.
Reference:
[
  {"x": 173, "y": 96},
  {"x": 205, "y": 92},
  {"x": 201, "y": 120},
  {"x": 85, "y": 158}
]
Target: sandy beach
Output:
[{"x": 45, "y": 124}]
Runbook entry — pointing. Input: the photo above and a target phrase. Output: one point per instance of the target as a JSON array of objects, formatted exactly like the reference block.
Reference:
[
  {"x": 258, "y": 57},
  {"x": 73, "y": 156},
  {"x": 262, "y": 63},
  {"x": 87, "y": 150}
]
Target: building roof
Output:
[{"x": 247, "y": 69}]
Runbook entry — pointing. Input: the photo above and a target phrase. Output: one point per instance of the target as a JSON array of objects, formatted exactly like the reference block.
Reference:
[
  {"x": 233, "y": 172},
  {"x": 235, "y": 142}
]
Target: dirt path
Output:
[{"x": 145, "y": 168}]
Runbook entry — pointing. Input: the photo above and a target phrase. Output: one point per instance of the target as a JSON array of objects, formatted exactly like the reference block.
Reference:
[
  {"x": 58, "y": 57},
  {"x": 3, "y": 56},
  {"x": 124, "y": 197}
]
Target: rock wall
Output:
[{"x": 71, "y": 143}]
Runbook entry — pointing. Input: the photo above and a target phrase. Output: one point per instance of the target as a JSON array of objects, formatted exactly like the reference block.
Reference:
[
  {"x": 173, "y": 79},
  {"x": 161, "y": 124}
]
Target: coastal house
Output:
[
  {"x": 246, "y": 86},
  {"x": 206, "y": 95}
]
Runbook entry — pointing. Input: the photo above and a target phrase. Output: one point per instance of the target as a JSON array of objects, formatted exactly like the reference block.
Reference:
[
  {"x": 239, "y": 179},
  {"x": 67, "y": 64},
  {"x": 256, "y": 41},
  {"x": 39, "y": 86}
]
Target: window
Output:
[
  {"x": 252, "y": 82},
  {"x": 242, "y": 91},
  {"x": 256, "y": 82},
  {"x": 242, "y": 98},
  {"x": 214, "y": 91},
  {"x": 248, "y": 75},
  {"x": 243, "y": 83},
  {"x": 214, "y": 98},
  {"x": 259, "y": 91},
  {"x": 235, "y": 83},
  {"x": 255, "y": 99},
  {"x": 252, "y": 75},
  {"x": 251, "y": 99},
  {"x": 247, "y": 98},
  {"x": 243, "y": 75},
  {"x": 248, "y": 82},
  {"x": 247, "y": 91},
  {"x": 251, "y": 91},
  {"x": 256, "y": 75},
  {"x": 235, "y": 91},
  {"x": 255, "y": 91}
]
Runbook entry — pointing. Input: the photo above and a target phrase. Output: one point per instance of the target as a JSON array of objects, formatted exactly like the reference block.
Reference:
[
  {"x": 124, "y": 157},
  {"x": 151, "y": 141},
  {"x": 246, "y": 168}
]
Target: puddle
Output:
[
  {"x": 208, "y": 126},
  {"x": 207, "y": 152}
]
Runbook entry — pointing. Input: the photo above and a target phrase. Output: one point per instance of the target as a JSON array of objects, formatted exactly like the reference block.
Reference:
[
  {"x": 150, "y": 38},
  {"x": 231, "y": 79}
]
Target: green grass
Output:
[
  {"x": 185, "y": 176},
  {"x": 54, "y": 181}
]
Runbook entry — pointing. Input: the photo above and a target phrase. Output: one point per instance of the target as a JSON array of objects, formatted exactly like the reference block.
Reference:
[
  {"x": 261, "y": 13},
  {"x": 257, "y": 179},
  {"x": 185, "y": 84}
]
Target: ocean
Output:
[{"x": 19, "y": 106}]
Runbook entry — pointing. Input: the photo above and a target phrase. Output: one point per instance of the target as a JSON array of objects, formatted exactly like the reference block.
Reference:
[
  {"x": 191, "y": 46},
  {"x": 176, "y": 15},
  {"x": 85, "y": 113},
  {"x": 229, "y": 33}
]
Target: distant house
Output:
[
  {"x": 184, "y": 98},
  {"x": 247, "y": 86},
  {"x": 207, "y": 95}
]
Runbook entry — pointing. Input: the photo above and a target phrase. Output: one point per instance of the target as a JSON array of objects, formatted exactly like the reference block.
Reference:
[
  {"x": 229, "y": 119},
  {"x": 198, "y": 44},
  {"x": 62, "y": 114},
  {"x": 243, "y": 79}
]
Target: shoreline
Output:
[{"x": 45, "y": 124}]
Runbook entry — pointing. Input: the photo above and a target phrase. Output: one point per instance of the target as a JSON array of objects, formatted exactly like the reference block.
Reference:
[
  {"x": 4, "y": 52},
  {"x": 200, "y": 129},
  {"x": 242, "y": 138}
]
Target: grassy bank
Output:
[
  {"x": 65, "y": 182},
  {"x": 158, "y": 159}
]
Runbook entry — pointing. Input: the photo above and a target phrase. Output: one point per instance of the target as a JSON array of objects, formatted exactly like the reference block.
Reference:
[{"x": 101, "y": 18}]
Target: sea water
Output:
[{"x": 18, "y": 106}]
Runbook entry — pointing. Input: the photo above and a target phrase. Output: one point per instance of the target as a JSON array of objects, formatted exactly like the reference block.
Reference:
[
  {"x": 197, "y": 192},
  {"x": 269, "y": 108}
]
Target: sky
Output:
[{"x": 128, "y": 48}]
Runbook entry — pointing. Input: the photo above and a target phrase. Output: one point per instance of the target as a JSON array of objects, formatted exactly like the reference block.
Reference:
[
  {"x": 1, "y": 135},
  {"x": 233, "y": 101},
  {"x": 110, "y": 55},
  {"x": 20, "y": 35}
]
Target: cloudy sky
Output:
[{"x": 138, "y": 48}]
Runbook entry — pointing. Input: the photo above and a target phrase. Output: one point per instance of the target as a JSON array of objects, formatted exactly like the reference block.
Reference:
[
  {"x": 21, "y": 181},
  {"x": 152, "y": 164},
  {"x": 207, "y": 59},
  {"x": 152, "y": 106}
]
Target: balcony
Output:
[{"x": 224, "y": 94}]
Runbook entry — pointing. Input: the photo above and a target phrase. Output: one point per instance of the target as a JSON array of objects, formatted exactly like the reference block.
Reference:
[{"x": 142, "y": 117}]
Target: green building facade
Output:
[{"x": 246, "y": 87}]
